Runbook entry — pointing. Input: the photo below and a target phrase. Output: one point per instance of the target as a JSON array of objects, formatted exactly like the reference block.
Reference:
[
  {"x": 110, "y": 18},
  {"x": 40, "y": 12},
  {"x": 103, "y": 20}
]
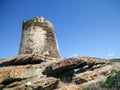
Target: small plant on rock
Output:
[{"x": 112, "y": 81}]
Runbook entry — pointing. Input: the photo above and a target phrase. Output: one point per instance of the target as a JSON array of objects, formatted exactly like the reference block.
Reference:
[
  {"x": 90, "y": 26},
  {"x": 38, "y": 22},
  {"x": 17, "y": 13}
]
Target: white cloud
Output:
[
  {"x": 75, "y": 55},
  {"x": 110, "y": 54}
]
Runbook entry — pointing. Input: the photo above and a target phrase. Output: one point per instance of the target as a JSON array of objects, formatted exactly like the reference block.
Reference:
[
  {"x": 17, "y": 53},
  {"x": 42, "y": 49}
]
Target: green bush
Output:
[
  {"x": 115, "y": 60},
  {"x": 86, "y": 88},
  {"x": 112, "y": 81}
]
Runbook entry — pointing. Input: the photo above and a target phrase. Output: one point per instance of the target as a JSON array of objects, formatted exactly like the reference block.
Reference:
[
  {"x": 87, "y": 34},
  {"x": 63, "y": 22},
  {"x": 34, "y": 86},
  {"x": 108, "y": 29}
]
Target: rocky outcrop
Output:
[
  {"x": 33, "y": 84},
  {"x": 24, "y": 59},
  {"x": 16, "y": 72},
  {"x": 73, "y": 63},
  {"x": 37, "y": 72}
]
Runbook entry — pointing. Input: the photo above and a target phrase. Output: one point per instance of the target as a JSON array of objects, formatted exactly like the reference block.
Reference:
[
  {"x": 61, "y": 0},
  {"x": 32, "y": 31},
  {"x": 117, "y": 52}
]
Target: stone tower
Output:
[{"x": 38, "y": 37}]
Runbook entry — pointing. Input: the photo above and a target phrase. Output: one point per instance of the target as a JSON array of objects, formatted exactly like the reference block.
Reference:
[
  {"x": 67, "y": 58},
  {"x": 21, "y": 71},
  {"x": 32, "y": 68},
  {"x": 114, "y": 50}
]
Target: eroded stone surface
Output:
[
  {"x": 72, "y": 63},
  {"x": 38, "y": 37},
  {"x": 53, "y": 73},
  {"x": 34, "y": 84},
  {"x": 24, "y": 59}
]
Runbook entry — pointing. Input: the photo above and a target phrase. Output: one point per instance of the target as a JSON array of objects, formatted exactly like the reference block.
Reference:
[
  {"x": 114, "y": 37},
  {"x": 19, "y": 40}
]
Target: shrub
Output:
[
  {"x": 86, "y": 88},
  {"x": 112, "y": 81}
]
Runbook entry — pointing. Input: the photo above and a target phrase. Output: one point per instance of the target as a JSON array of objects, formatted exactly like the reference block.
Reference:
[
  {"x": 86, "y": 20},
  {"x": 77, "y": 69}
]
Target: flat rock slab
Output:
[
  {"x": 34, "y": 84},
  {"x": 24, "y": 59},
  {"x": 72, "y": 63},
  {"x": 20, "y": 72}
]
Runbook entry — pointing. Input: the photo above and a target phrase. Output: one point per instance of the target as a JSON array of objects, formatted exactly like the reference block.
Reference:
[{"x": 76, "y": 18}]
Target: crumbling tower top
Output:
[{"x": 38, "y": 37}]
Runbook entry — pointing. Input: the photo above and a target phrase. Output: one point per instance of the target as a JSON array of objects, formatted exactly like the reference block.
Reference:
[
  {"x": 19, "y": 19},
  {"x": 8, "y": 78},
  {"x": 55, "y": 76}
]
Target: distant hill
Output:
[
  {"x": 115, "y": 60},
  {"x": 2, "y": 59}
]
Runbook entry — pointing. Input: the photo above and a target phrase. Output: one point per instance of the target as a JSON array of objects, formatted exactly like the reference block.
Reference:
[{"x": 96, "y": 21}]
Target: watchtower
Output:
[{"x": 38, "y": 37}]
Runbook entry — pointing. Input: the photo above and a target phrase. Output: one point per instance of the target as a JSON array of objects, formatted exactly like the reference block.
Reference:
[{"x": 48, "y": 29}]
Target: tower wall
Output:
[{"x": 38, "y": 37}]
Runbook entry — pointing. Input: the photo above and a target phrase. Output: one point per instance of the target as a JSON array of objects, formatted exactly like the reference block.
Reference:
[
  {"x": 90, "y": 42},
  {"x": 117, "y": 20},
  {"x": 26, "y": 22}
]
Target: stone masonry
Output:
[{"x": 38, "y": 37}]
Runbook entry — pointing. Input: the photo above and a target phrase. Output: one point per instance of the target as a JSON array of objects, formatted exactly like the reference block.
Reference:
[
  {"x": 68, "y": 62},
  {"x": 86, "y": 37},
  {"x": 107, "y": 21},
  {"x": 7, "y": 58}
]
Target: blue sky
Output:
[{"x": 83, "y": 27}]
